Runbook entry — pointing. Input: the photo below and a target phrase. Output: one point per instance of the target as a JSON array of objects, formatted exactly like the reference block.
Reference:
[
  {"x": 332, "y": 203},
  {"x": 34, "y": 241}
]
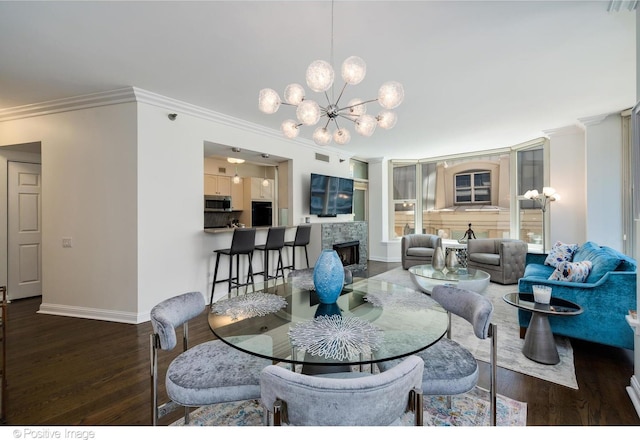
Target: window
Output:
[
  {"x": 443, "y": 195},
  {"x": 404, "y": 199},
  {"x": 474, "y": 187}
]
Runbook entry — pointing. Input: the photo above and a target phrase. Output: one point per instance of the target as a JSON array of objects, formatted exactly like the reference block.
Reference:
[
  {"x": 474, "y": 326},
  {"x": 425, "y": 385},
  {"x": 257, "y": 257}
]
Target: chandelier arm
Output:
[
  {"x": 328, "y": 99},
  {"x": 352, "y": 119},
  {"x": 356, "y": 105},
  {"x": 341, "y": 92}
]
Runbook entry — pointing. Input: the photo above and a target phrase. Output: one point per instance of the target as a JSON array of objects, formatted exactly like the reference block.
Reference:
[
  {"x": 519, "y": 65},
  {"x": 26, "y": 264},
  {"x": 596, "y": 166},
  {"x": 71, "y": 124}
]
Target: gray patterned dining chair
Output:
[
  {"x": 449, "y": 368},
  {"x": 207, "y": 373},
  {"x": 344, "y": 399}
]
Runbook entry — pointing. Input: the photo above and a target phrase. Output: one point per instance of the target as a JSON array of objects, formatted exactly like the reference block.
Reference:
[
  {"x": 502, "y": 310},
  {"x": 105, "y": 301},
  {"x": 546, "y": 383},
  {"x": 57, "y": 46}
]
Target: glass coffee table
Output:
[
  {"x": 425, "y": 277},
  {"x": 539, "y": 343}
]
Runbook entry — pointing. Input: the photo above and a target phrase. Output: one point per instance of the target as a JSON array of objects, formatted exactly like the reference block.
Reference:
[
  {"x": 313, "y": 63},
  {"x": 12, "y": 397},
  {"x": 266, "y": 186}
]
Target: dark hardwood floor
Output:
[{"x": 72, "y": 371}]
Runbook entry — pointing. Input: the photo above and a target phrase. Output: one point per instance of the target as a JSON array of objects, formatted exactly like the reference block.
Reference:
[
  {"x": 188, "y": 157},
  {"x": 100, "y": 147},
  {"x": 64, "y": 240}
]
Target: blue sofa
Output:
[{"x": 606, "y": 296}]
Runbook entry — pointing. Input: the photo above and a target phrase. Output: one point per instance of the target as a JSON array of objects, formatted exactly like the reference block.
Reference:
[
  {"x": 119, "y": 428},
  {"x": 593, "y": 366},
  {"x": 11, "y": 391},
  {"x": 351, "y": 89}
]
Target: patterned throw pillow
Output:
[
  {"x": 560, "y": 252},
  {"x": 577, "y": 272}
]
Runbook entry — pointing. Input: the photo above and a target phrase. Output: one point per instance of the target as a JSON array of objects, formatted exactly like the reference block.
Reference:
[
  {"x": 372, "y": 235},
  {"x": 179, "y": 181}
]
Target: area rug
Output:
[
  {"x": 509, "y": 343},
  {"x": 471, "y": 409}
]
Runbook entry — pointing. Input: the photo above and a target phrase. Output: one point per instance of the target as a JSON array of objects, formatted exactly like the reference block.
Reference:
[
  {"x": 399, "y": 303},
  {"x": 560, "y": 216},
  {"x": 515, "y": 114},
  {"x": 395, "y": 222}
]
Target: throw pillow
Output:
[
  {"x": 560, "y": 252},
  {"x": 603, "y": 258},
  {"x": 577, "y": 272}
]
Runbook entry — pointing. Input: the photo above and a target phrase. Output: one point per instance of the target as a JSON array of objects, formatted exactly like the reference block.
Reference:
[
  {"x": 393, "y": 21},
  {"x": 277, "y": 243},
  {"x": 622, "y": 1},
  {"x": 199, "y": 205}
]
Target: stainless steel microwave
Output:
[{"x": 217, "y": 203}]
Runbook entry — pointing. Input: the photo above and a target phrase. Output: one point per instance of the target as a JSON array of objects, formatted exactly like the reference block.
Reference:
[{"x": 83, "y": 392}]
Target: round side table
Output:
[{"x": 539, "y": 344}]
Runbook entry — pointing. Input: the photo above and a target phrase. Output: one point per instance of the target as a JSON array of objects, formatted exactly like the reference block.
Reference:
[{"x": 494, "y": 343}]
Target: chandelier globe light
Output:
[{"x": 320, "y": 78}]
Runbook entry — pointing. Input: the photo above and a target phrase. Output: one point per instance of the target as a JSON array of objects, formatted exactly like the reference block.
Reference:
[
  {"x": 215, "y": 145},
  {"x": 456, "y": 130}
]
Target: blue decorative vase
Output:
[
  {"x": 327, "y": 310},
  {"x": 328, "y": 276}
]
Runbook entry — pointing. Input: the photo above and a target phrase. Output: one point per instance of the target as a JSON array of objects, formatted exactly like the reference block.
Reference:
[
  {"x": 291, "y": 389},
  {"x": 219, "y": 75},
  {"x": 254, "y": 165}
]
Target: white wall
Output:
[
  {"x": 567, "y": 176},
  {"x": 126, "y": 184},
  {"x": 89, "y": 194},
  {"x": 603, "y": 189}
]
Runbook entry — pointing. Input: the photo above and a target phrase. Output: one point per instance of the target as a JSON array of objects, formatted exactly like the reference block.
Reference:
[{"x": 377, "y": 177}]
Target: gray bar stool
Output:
[
  {"x": 242, "y": 243},
  {"x": 275, "y": 242},
  {"x": 302, "y": 238}
]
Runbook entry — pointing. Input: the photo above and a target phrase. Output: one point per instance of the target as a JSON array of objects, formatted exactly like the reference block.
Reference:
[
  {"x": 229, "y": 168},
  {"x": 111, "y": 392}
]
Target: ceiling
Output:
[{"x": 477, "y": 75}]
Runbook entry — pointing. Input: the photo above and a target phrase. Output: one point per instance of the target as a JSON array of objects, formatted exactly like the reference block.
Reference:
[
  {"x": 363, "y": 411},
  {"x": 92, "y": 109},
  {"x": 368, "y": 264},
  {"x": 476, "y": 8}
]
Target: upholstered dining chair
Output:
[
  {"x": 345, "y": 399},
  {"x": 449, "y": 368},
  {"x": 207, "y": 373}
]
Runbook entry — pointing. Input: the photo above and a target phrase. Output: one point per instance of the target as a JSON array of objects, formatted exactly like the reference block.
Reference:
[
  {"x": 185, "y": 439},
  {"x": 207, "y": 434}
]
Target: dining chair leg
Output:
[{"x": 215, "y": 276}]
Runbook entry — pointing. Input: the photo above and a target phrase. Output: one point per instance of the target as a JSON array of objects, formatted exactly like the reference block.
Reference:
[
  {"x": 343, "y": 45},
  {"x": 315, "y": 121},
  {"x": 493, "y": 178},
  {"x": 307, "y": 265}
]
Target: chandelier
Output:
[{"x": 320, "y": 78}]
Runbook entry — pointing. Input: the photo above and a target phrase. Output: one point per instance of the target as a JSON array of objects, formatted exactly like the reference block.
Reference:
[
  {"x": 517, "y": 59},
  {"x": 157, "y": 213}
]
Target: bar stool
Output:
[
  {"x": 242, "y": 243},
  {"x": 302, "y": 238},
  {"x": 275, "y": 242}
]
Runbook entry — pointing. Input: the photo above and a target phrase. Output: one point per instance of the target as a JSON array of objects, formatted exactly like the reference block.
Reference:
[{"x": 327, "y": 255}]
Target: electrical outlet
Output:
[{"x": 66, "y": 242}]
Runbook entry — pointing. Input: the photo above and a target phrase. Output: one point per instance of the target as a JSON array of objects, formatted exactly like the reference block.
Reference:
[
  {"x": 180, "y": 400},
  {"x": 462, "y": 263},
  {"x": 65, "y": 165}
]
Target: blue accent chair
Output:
[{"x": 606, "y": 297}]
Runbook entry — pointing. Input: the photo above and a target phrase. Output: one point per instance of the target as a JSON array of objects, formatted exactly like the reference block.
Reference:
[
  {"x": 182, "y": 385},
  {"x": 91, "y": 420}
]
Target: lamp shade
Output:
[
  {"x": 341, "y": 136},
  {"x": 354, "y": 70},
  {"x": 290, "y": 128},
  {"x": 320, "y": 76},
  {"x": 366, "y": 125},
  {"x": 387, "y": 119},
  {"x": 294, "y": 94},
  {"x": 356, "y": 107},
  {"x": 391, "y": 94},
  {"x": 308, "y": 112},
  {"x": 269, "y": 101},
  {"x": 321, "y": 136}
]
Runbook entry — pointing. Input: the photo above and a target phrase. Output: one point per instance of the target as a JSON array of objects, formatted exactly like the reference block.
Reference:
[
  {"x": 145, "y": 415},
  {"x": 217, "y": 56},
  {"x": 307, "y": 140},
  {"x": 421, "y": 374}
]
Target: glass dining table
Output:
[{"x": 371, "y": 321}]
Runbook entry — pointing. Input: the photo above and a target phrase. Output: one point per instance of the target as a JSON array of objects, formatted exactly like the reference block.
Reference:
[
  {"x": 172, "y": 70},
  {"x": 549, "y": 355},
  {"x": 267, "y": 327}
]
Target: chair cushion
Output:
[
  {"x": 560, "y": 252},
  {"x": 492, "y": 259},
  {"x": 537, "y": 270},
  {"x": 214, "y": 372},
  {"x": 577, "y": 272},
  {"x": 449, "y": 369},
  {"x": 420, "y": 252},
  {"x": 604, "y": 259}
]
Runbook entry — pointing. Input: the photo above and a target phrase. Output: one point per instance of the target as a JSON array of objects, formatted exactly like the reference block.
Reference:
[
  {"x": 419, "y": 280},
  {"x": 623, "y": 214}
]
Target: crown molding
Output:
[
  {"x": 564, "y": 131},
  {"x": 134, "y": 94},
  {"x": 593, "y": 120},
  {"x": 99, "y": 99}
]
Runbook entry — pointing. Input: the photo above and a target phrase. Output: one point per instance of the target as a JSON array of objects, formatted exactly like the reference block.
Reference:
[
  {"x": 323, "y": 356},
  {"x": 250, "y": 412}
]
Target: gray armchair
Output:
[
  {"x": 503, "y": 258},
  {"x": 418, "y": 249}
]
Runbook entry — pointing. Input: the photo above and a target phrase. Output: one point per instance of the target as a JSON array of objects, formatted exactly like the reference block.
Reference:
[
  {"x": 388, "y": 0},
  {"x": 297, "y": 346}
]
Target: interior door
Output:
[{"x": 25, "y": 232}]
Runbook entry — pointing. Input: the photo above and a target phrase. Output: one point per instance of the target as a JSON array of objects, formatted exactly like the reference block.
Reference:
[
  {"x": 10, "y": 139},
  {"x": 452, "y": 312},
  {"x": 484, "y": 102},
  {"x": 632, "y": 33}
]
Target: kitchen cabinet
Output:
[
  {"x": 257, "y": 191},
  {"x": 237, "y": 195},
  {"x": 215, "y": 185}
]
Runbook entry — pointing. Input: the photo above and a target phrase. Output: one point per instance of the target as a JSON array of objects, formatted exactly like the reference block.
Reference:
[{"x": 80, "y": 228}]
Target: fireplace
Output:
[{"x": 349, "y": 252}]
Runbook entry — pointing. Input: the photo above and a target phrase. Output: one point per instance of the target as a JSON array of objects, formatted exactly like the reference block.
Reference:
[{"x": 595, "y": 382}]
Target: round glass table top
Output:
[
  {"x": 426, "y": 278},
  {"x": 556, "y": 306},
  {"x": 372, "y": 320}
]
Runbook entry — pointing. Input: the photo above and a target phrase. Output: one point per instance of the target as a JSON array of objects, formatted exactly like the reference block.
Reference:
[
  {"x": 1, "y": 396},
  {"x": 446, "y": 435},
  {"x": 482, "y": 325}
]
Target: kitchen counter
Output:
[{"x": 221, "y": 230}]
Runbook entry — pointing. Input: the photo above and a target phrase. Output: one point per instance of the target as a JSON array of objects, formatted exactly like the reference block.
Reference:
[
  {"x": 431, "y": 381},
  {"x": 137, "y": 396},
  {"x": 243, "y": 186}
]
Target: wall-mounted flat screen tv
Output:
[{"x": 330, "y": 195}]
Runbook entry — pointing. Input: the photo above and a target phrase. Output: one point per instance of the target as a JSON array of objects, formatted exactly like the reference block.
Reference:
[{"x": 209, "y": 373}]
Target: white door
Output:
[{"x": 24, "y": 235}]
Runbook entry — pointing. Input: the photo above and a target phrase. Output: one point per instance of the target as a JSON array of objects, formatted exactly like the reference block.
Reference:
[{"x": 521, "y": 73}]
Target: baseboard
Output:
[
  {"x": 89, "y": 313},
  {"x": 634, "y": 393}
]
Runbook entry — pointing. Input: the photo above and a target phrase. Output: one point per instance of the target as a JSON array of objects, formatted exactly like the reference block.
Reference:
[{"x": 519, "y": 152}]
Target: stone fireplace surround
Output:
[{"x": 338, "y": 233}]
